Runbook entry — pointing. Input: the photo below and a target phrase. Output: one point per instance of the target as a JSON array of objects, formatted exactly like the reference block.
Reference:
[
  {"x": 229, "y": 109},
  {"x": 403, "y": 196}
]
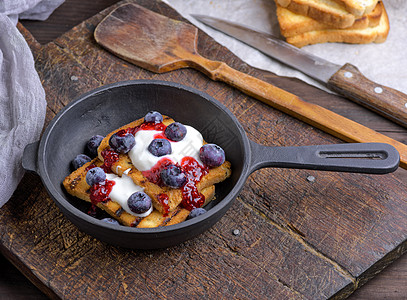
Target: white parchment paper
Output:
[{"x": 384, "y": 63}]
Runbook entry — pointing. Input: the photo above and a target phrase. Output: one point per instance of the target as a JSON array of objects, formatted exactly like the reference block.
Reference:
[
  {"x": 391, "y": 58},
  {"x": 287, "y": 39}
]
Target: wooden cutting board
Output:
[{"x": 294, "y": 234}]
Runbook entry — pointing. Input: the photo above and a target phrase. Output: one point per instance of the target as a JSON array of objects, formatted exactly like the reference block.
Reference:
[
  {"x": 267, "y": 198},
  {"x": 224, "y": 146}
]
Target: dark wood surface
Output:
[{"x": 389, "y": 284}]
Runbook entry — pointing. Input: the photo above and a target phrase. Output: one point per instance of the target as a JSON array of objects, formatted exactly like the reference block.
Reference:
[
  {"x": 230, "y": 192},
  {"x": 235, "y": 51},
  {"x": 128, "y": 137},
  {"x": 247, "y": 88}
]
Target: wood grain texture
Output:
[
  {"x": 351, "y": 83},
  {"x": 298, "y": 238},
  {"x": 66, "y": 16}
]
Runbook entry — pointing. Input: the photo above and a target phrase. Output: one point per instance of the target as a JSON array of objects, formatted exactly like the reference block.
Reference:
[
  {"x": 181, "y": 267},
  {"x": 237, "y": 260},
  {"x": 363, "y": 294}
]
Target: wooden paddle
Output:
[{"x": 160, "y": 44}]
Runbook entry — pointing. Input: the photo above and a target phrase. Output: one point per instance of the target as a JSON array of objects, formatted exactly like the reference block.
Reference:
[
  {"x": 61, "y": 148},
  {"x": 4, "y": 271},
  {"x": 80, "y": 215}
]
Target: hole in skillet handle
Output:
[
  {"x": 369, "y": 158},
  {"x": 357, "y": 154}
]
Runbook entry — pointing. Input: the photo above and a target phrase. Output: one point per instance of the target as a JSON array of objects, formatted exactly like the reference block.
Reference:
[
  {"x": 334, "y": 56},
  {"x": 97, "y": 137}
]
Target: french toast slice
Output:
[
  {"x": 75, "y": 184},
  {"x": 213, "y": 176},
  {"x": 174, "y": 196},
  {"x": 292, "y": 24}
]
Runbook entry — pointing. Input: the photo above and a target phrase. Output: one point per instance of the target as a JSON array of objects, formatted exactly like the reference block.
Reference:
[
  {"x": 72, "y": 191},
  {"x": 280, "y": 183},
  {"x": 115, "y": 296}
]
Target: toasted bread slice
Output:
[
  {"x": 328, "y": 12},
  {"x": 75, "y": 184},
  {"x": 213, "y": 176},
  {"x": 292, "y": 24},
  {"x": 376, "y": 34},
  {"x": 358, "y": 7},
  {"x": 105, "y": 142}
]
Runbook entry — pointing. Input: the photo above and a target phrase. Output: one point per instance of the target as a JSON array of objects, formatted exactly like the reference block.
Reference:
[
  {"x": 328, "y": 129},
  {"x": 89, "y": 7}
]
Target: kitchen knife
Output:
[
  {"x": 346, "y": 80},
  {"x": 160, "y": 44}
]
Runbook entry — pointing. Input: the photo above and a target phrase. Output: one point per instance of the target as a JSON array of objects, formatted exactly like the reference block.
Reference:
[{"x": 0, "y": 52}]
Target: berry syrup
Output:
[
  {"x": 99, "y": 192},
  {"x": 109, "y": 157},
  {"x": 191, "y": 197},
  {"x": 153, "y": 175},
  {"x": 164, "y": 200},
  {"x": 122, "y": 132},
  {"x": 147, "y": 126}
]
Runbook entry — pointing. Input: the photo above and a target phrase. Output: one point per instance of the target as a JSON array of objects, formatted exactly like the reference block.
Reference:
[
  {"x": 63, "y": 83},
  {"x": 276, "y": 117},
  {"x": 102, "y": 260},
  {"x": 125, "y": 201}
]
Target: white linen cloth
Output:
[
  {"x": 385, "y": 63},
  {"x": 22, "y": 97}
]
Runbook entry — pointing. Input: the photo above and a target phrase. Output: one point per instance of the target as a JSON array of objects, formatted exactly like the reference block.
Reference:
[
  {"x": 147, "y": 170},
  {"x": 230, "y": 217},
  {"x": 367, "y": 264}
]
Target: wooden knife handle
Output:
[
  {"x": 351, "y": 83},
  {"x": 291, "y": 104}
]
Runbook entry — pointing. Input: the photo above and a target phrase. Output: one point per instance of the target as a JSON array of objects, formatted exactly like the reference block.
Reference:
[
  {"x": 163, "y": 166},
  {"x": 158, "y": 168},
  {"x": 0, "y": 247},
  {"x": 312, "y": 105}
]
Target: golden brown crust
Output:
[
  {"x": 375, "y": 15},
  {"x": 176, "y": 216},
  {"x": 76, "y": 185},
  {"x": 213, "y": 176}
]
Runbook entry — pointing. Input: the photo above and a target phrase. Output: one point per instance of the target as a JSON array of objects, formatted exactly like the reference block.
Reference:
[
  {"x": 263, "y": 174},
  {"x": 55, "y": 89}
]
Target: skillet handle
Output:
[
  {"x": 30, "y": 155},
  {"x": 372, "y": 158}
]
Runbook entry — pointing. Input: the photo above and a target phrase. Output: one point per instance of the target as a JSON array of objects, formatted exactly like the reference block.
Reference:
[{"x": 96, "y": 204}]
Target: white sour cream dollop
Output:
[
  {"x": 143, "y": 160},
  {"x": 123, "y": 188}
]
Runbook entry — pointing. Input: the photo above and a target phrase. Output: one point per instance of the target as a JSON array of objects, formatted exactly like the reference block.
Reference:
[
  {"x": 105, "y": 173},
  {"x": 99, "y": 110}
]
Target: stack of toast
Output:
[{"x": 306, "y": 22}]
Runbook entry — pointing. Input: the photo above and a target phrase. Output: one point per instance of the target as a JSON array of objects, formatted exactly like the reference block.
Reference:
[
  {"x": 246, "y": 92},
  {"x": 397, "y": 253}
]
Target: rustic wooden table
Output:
[{"x": 391, "y": 283}]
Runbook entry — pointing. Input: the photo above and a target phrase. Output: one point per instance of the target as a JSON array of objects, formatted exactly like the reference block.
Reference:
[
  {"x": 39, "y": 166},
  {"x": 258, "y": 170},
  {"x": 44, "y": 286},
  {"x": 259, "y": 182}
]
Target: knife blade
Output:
[{"x": 346, "y": 80}]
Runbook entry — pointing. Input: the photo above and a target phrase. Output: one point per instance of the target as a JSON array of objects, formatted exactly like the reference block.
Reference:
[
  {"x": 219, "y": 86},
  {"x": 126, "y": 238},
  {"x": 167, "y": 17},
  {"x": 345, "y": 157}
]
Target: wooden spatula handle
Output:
[
  {"x": 312, "y": 114},
  {"x": 351, "y": 83}
]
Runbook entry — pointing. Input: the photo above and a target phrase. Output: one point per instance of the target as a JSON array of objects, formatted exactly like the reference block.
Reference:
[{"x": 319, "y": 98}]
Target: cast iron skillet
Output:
[{"x": 109, "y": 107}]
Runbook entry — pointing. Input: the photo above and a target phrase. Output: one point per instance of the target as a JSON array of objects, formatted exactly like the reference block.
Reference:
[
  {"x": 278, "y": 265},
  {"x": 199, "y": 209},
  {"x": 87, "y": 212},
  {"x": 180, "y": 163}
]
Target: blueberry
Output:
[
  {"x": 139, "y": 202},
  {"x": 95, "y": 175},
  {"x": 110, "y": 221},
  {"x": 80, "y": 160},
  {"x": 122, "y": 141},
  {"x": 173, "y": 176},
  {"x": 212, "y": 155},
  {"x": 159, "y": 147},
  {"x": 153, "y": 116},
  {"x": 175, "y": 131},
  {"x": 93, "y": 144},
  {"x": 196, "y": 212}
]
